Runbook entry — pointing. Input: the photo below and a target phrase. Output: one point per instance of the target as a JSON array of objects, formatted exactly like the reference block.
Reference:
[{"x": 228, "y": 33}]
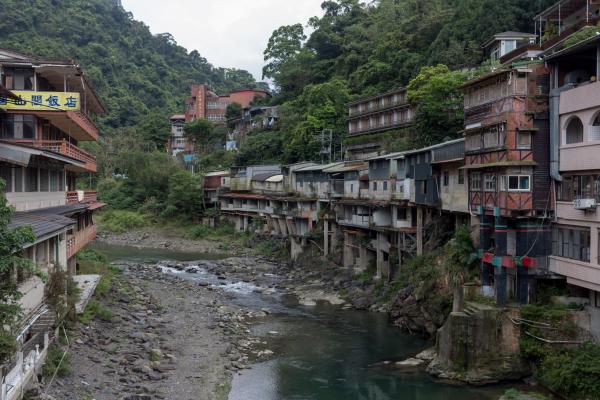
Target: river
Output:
[{"x": 322, "y": 352}]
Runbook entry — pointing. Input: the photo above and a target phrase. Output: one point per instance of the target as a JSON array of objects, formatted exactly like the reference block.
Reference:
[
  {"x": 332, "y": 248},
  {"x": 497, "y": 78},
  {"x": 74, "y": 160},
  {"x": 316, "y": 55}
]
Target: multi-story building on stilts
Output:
[
  {"x": 46, "y": 110},
  {"x": 506, "y": 156}
]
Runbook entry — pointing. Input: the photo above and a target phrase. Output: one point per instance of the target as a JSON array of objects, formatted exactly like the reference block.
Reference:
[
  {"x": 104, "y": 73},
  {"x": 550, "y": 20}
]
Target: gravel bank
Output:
[{"x": 168, "y": 339}]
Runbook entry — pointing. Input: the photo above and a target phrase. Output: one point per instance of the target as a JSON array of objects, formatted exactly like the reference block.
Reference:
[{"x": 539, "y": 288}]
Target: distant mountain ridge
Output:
[{"x": 135, "y": 73}]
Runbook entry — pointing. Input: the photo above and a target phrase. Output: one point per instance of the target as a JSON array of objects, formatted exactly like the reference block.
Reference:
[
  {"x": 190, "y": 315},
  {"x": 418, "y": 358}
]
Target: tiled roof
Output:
[{"x": 42, "y": 224}]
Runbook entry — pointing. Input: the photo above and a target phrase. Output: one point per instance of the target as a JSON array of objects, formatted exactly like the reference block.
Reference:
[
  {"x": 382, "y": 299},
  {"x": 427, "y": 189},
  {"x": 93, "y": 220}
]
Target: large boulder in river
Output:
[{"x": 479, "y": 345}]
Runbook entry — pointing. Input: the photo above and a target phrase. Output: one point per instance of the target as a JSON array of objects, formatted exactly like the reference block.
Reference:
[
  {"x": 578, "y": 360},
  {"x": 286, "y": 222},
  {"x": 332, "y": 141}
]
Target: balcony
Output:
[
  {"x": 66, "y": 149},
  {"x": 78, "y": 240},
  {"x": 387, "y": 105},
  {"x": 82, "y": 196},
  {"x": 578, "y": 273}
]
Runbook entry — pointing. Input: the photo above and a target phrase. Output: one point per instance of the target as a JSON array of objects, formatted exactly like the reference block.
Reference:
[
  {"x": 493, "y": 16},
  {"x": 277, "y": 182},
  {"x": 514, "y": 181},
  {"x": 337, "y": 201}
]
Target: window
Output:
[
  {"x": 18, "y": 79},
  {"x": 509, "y": 45},
  {"x": 351, "y": 188},
  {"x": 515, "y": 183},
  {"x": 595, "y": 128},
  {"x": 475, "y": 181},
  {"x": 385, "y": 185},
  {"x": 44, "y": 181},
  {"x": 473, "y": 142},
  {"x": 489, "y": 182},
  {"x": 54, "y": 181},
  {"x": 461, "y": 176},
  {"x": 574, "y": 131},
  {"x": 571, "y": 243},
  {"x": 401, "y": 214},
  {"x": 375, "y": 186},
  {"x": 32, "y": 179},
  {"x": 523, "y": 140},
  {"x": 446, "y": 178},
  {"x": 18, "y": 179}
]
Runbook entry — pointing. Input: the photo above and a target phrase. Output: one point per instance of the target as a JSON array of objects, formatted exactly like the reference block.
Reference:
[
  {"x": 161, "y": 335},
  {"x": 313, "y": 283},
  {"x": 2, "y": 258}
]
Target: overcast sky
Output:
[{"x": 228, "y": 33}]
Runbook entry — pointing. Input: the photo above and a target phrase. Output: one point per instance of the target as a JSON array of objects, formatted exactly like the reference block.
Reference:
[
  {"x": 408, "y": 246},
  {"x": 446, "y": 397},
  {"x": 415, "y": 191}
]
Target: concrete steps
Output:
[{"x": 472, "y": 308}]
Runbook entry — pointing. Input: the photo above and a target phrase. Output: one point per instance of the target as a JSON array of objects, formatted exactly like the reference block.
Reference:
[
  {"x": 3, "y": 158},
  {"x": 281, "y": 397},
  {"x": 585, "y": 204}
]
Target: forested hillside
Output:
[
  {"x": 136, "y": 73},
  {"x": 361, "y": 48}
]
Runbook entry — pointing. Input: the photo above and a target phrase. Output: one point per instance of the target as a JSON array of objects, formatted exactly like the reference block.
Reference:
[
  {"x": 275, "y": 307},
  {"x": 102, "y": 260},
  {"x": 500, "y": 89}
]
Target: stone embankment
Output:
[{"x": 167, "y": 339}]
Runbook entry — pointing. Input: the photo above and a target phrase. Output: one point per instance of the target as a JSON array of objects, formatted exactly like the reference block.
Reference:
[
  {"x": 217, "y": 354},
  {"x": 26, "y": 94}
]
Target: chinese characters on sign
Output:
[{"x": 41, "y": 101}]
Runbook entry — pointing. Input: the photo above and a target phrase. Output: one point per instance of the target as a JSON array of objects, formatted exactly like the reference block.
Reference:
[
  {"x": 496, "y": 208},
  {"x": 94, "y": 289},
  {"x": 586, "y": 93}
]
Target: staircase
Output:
[{"x": 472, "y": 308}]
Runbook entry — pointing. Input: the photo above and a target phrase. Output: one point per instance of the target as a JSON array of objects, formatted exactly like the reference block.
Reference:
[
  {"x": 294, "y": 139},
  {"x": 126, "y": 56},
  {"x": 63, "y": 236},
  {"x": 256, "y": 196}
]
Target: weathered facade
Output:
[
  {"x": 370, "y": 116},
  {"x": 46, "y": 110},
  {"x": 507, "y": 159}
]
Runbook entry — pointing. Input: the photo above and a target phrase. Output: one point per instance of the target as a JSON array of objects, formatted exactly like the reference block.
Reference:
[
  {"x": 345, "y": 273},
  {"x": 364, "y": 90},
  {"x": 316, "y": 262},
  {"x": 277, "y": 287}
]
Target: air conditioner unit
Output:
[{"x": 584, "y": 204}]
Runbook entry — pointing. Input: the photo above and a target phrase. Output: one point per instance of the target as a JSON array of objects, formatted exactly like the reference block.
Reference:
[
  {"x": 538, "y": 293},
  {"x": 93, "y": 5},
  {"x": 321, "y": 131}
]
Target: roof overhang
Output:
[
  {"x": 501, "y": 164},
  {"x": 21, "y": 155}
]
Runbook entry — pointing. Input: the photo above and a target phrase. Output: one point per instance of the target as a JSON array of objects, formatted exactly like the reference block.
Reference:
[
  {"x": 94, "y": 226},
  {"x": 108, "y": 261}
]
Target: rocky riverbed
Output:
[{"x": 168, "y": 339}]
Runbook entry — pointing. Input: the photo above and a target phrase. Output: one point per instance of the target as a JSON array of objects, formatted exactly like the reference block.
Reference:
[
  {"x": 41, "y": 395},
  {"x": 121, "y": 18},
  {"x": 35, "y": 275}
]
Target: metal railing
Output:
[{"x": 62, "y": 147}]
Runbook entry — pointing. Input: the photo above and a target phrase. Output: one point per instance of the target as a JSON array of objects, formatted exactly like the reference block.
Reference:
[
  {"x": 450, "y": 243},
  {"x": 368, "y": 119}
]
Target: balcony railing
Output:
[
  {"x": 66, "y": 149},
  {"x": 77, "y": 241},
  {"x": 81, "y": 196}
]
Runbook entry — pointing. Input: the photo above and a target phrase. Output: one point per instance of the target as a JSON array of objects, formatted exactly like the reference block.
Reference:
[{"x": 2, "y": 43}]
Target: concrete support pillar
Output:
[
  {"x": 282, "y": 226},
  {"x": 325, "y": 238},
  {"x": 276, "y": 228},
  {"x": 500, "y": 285},
  {"x": 363, "y": 258},
  {"x": 419, "y": 231},
  {"x": 348, "y": 255},
  {"x": 296, "y": 248},
  {"x": 291, "y": 228},
  {"x": 526, "y": 285},
  {"x": 334, "y": 234}
]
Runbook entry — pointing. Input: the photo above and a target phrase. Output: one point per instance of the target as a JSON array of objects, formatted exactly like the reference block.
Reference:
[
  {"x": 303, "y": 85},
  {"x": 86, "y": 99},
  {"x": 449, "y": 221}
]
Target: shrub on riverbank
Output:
[
  {"x": 206, "y": 232},
  {"x": 121, "y": 221},
  {"x": 58, "y": 362},
  {"x": 570, "y": 369}
]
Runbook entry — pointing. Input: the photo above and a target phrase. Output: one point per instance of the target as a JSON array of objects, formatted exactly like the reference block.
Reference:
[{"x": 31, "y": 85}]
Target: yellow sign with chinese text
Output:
[{"x": 41, "y": 101}]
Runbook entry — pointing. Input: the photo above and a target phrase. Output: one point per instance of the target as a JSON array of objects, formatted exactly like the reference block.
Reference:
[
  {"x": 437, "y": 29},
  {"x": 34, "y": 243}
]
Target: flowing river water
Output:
[{"x": 322, "y": 352}]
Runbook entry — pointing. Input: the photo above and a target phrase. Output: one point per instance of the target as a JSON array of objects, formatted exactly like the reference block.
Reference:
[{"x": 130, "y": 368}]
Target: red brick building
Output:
[{"x": 204, "y": 103}]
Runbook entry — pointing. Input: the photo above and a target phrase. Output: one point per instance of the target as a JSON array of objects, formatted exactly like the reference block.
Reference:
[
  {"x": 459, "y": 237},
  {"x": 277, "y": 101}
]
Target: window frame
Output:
[{"x": 494, "y": 180}]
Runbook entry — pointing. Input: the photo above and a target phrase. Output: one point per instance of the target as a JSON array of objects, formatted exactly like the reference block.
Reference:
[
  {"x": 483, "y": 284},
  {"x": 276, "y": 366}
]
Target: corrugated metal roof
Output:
[
  {"x": 318, "y": 167},
  {"x": 218, "y": 173},
  {"x": 501, "y": 164},
  {"x": 435, "y": 146},
  {"x": 346, "y": 168},
  {"x": 390, "y": 156}
]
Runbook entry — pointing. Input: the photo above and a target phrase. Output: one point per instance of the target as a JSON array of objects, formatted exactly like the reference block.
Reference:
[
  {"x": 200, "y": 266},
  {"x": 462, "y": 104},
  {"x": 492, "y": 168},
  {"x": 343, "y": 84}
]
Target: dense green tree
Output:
[
  {"x": 135, "y": 73},
  {"x": 155, "y": 129},
  {"x": 233, "y": 112},
  {"x": 439, "y": 103},
  {"x": 460, "y": 258},
  {"x": 185, "y": 194}
]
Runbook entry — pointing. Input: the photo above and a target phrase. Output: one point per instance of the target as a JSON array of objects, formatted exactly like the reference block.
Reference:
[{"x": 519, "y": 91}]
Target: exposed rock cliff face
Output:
[
  {"x": 479, "y": 345},
  {"x": 419, "y": 315}
]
